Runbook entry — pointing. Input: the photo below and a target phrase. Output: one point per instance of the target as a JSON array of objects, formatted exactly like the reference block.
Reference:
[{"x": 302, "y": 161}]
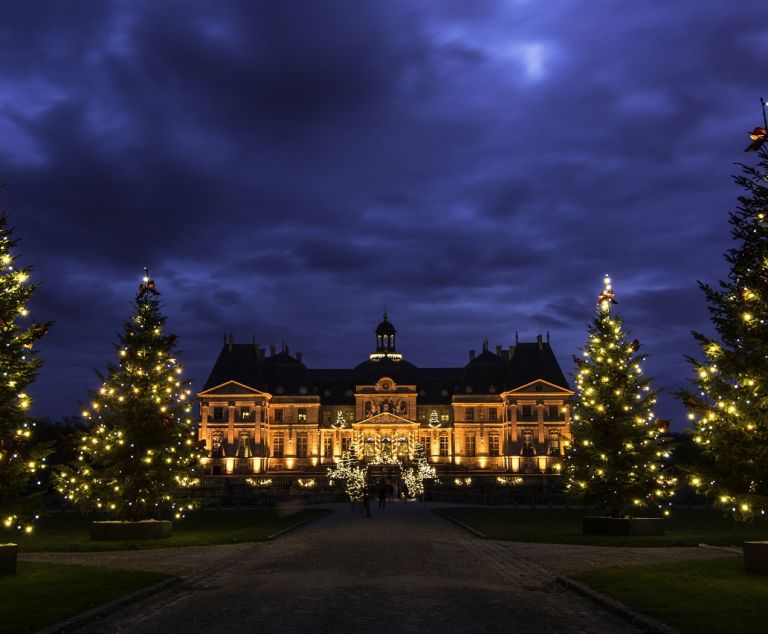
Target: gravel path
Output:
[{"x": 403, "y": 570}]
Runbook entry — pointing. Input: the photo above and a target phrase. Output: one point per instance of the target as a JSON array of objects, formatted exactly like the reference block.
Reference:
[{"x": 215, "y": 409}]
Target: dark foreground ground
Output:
[{"x": 404, "y": 569}]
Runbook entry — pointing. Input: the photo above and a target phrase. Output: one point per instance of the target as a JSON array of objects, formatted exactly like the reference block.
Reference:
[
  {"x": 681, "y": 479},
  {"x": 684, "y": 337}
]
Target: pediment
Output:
[
  {"x": 232, "y": 388},
  {"x": 386, "y": 418},
  {"x": 539, "y": 387}
]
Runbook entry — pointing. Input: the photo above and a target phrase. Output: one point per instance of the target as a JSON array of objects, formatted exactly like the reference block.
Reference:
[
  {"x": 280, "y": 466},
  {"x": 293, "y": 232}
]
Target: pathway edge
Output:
[
  {"x": 617, "y": 607},
  {"x": 466, "y": 527}
]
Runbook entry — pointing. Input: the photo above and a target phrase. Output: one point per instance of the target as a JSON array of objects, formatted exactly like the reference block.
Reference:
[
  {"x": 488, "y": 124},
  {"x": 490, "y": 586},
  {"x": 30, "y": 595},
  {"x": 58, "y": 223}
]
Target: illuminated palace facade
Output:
[{"x": 505, "y": 411}]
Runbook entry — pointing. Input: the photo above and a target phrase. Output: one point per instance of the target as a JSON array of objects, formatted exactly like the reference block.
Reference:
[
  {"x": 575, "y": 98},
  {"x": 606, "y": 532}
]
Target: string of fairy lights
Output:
[
  {"x": 616, "y": 456},
  {"x": 728, "y": 411},
  {"x": 20, "y": 460},
  {"x": 140, "y": 451}
]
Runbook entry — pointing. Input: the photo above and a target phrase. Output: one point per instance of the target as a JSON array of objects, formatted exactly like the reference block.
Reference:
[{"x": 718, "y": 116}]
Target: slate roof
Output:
[
  {"x": 488, "y": 373},
  {"x": 531, "y": 361}
]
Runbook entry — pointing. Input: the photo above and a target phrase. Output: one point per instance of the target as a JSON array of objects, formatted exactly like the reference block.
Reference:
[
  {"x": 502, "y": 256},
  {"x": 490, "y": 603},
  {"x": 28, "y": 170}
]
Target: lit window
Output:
[
  {"x": 277, "y": 446},
  {"x": 301, "y": 445}
]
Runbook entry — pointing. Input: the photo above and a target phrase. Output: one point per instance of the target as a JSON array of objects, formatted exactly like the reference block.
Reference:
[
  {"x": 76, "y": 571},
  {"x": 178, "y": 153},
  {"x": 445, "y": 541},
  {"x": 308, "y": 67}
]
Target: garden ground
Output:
[{"x": 404, "y": 569}]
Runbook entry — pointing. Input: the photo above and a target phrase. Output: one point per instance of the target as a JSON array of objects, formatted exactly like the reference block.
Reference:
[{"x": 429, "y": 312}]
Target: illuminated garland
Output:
[
  {"x": 351, "y": 473},
  {"x": 139, "y": 453},
  {"x": 729, "y": 408},
  {"x": 21, "y": 460},
  {"x": 616, "y": 456},
  {"x": 419, "y": 471}
]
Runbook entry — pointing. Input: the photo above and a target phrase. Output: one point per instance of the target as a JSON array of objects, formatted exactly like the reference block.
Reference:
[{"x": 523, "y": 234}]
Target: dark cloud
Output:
[{"x": 287, "y": 168}]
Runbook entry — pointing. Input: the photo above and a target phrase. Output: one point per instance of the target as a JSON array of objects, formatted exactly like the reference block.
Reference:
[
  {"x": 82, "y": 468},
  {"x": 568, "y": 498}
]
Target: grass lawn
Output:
[
  {"x": 45, "y": 594},
  {"x": 708, "y": 596},
  {"x": 70, "y": 531},
  {"x": 685, "y": 527}
]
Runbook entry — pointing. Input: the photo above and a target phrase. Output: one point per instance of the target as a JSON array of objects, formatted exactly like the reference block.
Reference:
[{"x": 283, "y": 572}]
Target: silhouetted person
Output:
[
  {"x": 366, "y": 502},
  {"x": 382, "y": 491}
]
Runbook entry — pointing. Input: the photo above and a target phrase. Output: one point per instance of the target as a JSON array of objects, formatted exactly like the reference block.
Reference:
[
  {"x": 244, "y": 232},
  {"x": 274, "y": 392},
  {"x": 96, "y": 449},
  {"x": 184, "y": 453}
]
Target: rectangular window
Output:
[
  {"x": 492, "y": 414},
  {"x": 346, "y": 443},
  {"x": 302, "y": 415},
  {"x": 301, "y": 444},
  {"x": 444, "y": 444},
  {"x": 469, "y": 445},
  {"x": 218, "y": 414},
  {"x": 445, "y": 418},
  {"x": 527, "y": 412},
  {"x": 278, "y": 416},
  {"x": 328, "y": 447},
  {"x": 493, "y": 444},
  {"x": 469, "y": 413},
  {"x": 553, "y": 413},
  {"x": 245, "y": 414},
  {"x": 277, "y": 446},
  {"x": 425, "y": 442}
]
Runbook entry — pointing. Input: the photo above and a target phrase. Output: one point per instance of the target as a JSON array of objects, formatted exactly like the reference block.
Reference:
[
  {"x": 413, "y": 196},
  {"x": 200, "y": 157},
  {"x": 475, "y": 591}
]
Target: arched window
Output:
[
  {"x": 554, "y": 443},
  {"x": 528, "y": 449},
  {"x": 244, "y": 445},
  {"x": 217, "y": 444}
]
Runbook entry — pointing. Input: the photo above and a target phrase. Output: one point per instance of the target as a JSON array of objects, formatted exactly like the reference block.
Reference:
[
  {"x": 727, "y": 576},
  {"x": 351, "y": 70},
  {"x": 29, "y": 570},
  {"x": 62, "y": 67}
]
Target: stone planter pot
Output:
[
  {"x": 623, "y": 526},
  {"x": 118, "y": 531},
  {"x": 8, "y": 553},
  {"x": 756, "y": 558}
]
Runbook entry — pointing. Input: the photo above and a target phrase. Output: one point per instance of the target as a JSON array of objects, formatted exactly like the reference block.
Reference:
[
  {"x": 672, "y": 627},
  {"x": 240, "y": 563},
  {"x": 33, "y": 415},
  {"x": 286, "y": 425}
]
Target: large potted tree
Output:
[
  {"x": 615, "y": 460},
  {"x": 729, "y": 407},
  {"x": 20, "y": 457},
  {"x": 139, "y": 451}
]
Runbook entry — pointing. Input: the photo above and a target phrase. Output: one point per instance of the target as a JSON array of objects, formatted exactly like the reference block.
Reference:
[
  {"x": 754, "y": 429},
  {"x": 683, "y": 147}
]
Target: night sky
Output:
[{"x": 288, "y": 168}]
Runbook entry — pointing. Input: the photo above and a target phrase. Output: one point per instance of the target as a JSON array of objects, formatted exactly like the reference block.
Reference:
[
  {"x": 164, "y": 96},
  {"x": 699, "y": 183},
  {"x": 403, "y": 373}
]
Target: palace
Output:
[{"x": 503, "y": 412}]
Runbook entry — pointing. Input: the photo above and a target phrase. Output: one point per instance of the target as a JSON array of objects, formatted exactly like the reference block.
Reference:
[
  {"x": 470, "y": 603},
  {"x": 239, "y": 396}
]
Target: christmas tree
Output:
[
  {"x": 615, "y": 460},
  {"x": 729, "y": 408},
  {"x": 419, "y": 471},
  {"x": 139, "y": 451},
  {"x": 20, "y": 458},
  {"x": 351, "y": 473}
]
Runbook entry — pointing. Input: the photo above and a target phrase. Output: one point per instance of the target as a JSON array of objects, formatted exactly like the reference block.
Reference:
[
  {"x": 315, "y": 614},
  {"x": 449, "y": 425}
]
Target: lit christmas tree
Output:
[
  {"x": 729, "y": 409},
  {"x": 349, "y": 471},
  {"x": 20, "y": 458},
  {"x": 419, "y": 471},
  {"x": 615, "y": 460},
  {"x": 139, "y": 451}
]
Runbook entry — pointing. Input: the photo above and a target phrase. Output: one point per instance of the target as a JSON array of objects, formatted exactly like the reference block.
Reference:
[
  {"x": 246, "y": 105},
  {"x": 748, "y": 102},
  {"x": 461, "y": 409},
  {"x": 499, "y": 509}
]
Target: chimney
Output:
[
  {"x": 471, "y": 355},
  {"x": 498, "y": 350},
  {"x": 547, "y": 337},
  {"x": 538, "y": 340},
  {"x": 298, "y": 357},
  {"x": 230, "y": 341},
  {"x": 517, "y": 339},
  {"x": 271, "y": 349}
]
